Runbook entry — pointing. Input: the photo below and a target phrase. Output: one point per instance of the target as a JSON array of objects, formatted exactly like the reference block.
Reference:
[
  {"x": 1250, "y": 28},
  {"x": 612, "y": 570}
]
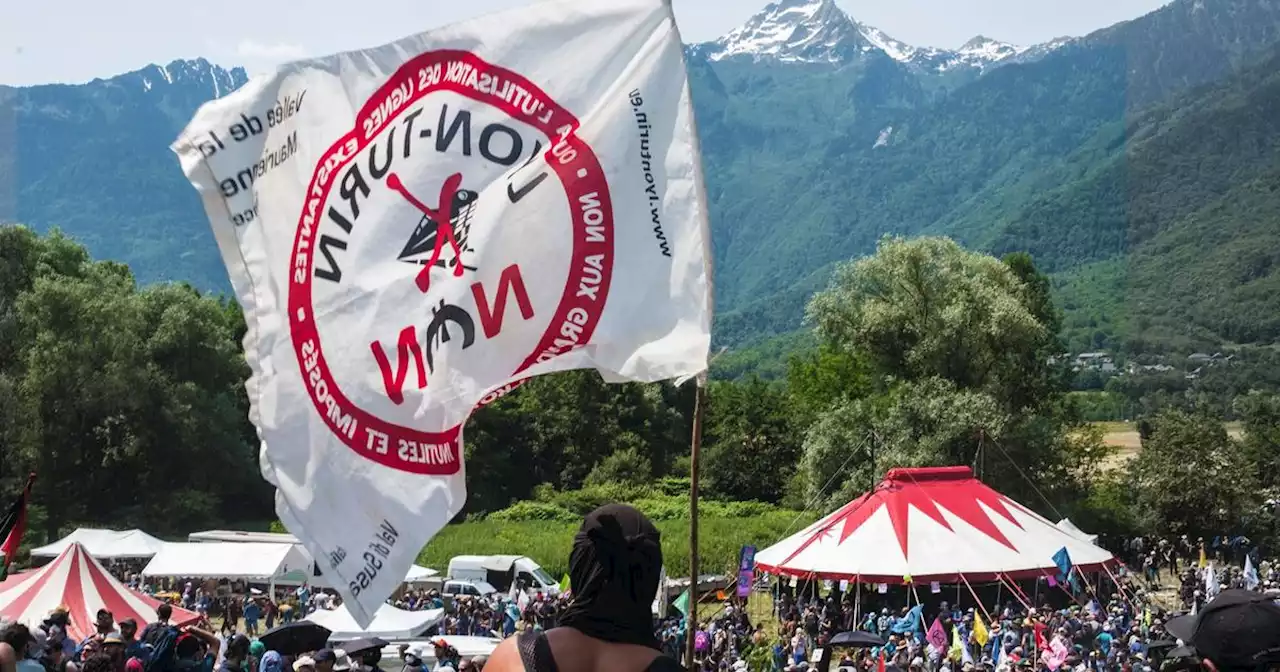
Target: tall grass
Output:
[{"x": 549, "y": 541}]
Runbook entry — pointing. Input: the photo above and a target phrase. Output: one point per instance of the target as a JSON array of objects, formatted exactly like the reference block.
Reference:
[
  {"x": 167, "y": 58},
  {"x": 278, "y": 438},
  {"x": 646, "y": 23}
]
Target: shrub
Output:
[{"x": 529, "y": 511}]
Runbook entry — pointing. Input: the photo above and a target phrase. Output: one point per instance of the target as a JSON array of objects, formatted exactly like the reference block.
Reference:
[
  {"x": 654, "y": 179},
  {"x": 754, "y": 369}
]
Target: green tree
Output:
[
  {"x": 958, "y": 345},
  {"x": 927, "y": 308},
  {"x": 1260, "y": 413},
  {"x": 1191, "y": 477},
  {"x": 629, "y": 466},
  {"x": 751, "y": 443}
]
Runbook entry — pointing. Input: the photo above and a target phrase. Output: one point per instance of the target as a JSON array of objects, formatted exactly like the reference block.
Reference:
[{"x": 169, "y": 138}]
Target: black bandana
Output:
[{"x": 614, "y": 568}]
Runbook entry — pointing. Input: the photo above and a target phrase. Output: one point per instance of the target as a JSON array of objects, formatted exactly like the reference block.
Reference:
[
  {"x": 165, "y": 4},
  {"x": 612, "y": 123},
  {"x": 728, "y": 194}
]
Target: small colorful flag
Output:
[
  {"x": 980, "y": 630},
  {"x": 682, "y": 603},
  {"x": 935, "y": 587},
  {"x": 956, "y": 653},
  {"x": 844, "y": 585},
  {"x": 937, "y": 637},
  {"x": 882, "y": 588},
  {"x": 12, "y": 526}
]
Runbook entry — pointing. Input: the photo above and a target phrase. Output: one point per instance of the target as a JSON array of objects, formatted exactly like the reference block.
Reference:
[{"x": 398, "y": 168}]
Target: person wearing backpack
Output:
[{"x": 159, "y": 641}]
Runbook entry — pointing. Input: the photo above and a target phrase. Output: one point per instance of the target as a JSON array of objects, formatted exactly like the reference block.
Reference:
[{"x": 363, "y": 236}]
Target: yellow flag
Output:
[
  {"x": 980, "y": 630},
  {"x": 1204, "y": 562},
  {"x": 957, "y": 649}
]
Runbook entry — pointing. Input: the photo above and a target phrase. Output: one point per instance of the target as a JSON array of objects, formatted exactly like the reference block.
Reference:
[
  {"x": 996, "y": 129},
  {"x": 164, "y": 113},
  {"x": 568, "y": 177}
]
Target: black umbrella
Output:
[
  {"x": 361, "y": 645},
  {"x": 857, "y": 638},
  {"x": 292, "y": 639}
]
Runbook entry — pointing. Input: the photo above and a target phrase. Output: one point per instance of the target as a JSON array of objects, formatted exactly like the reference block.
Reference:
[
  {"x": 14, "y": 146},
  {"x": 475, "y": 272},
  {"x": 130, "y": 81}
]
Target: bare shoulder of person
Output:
[{"x": 505, "y": 658}]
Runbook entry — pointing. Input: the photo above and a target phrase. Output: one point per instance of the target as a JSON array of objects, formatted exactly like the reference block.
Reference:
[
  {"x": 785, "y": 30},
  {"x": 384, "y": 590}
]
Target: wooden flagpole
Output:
[{"x": 691, "y": 619}]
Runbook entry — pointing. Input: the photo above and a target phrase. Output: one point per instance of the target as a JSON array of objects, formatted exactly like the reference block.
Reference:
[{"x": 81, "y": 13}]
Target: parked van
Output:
[{"x": 502, "y": 570}]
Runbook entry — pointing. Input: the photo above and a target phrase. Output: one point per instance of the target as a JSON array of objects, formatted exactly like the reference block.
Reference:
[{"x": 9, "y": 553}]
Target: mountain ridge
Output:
[
  {"x": 819, "y": 31},
  {"x": 1020, "y": 156}
]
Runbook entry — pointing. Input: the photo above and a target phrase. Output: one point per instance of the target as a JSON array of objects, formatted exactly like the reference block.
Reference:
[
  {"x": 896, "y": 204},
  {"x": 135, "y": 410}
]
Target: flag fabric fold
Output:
[
  {"x": 414, "y": 230},
  {"x": 937, "y": 636},
  {"x": 682, "y": 603},
  {"x": 1250, "y": 573},
  {"x": 13, "y": 526},
  {"x": 980, "y": 632}
]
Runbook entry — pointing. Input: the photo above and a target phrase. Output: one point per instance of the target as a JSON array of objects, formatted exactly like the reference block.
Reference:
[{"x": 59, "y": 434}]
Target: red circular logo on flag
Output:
[{"x": 425, "y": 233}]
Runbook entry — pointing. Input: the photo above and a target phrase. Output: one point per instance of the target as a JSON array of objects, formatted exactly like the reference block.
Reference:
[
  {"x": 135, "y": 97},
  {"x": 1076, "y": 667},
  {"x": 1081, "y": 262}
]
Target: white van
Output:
[{"x": 502, "y": 570}]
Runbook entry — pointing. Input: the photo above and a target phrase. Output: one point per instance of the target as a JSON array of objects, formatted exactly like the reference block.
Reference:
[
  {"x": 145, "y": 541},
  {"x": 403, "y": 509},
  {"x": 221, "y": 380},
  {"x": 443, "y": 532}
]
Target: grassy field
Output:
[
  {"x": 1123, "y": 436},
  {"x": 549, "y": 542}
]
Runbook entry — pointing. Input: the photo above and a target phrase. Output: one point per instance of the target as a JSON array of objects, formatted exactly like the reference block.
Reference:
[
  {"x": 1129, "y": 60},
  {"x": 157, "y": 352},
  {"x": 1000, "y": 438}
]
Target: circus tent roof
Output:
[
  {"x": 929, "y": 524},
  {"x": 75, "y": 580}
]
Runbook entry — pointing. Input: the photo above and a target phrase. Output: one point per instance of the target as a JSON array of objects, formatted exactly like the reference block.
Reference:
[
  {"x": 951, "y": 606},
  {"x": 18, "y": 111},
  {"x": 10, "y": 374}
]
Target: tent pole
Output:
[
  {"x": 695, "y": 445},
  {"x": 975, "y": 597},
  {"x": 857, "y": 600}
]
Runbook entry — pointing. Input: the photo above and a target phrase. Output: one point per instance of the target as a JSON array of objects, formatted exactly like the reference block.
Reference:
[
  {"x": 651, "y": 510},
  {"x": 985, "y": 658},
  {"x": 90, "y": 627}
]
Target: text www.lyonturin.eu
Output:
[{"x": 646, "y": 164}]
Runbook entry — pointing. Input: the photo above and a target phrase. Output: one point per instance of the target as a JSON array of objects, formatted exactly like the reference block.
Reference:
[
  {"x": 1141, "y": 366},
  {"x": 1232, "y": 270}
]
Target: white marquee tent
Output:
[
  {"x": 930, "y": 524},
  {"x": 1067, "y": 526},
  {"x": 104, "y": 544},
  {"x": 388, "y": 623},
  {"x": 228, "y": 560}
]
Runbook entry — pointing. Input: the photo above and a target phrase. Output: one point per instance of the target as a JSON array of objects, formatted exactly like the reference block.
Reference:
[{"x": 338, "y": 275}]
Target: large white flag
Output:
[{"x": 415, "y": 228}]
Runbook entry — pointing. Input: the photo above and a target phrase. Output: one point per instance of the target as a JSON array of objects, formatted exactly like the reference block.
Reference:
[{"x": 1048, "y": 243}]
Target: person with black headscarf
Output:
[{"x": 613, "y": 570}]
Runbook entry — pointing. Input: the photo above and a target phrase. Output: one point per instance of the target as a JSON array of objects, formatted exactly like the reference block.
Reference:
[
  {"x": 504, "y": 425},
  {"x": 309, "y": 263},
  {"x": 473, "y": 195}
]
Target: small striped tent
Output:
[{"x": 75, "y": 580}]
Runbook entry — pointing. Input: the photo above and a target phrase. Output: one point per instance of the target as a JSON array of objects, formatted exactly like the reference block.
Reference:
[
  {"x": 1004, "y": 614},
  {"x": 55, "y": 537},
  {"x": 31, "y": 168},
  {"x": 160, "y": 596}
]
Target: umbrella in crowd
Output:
[
  {"x": 292, "y": 639},
  {"x": 857, "y": 639}
]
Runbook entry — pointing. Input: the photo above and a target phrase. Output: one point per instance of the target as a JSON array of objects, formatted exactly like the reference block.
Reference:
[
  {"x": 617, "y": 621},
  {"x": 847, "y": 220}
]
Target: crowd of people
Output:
[{"x": 1076, "y": 626}]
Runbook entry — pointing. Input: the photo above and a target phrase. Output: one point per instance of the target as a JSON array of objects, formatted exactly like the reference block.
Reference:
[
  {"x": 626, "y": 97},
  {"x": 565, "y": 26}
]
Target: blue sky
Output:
[{"x": 77, "y": 40}]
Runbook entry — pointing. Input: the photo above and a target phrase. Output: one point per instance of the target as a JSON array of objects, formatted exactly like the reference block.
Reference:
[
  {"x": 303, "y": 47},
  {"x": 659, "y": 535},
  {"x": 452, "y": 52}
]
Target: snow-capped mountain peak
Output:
[
  {"x": 983, "y": 47},
  {"x": 790, "y": 30},
  {"x": 196, "y": 74},
  {"x": 818, "y": 31}
]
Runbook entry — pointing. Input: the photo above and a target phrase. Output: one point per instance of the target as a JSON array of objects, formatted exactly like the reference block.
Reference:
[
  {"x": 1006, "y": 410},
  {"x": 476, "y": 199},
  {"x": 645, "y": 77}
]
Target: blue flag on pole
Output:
[{"x": 1063, "y": 560}]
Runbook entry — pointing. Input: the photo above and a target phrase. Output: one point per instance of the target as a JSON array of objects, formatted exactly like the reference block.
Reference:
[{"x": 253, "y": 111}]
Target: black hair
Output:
[
  {"x": 164, "y": 611},
  {"x": 18, "y": 636},
  {"x": 98, "y": 662}
]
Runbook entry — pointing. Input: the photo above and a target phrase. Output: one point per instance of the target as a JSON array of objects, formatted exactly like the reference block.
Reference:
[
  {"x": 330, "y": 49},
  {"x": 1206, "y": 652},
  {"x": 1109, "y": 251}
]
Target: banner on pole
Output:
[
  {"x": 746, "y": 570},
  {"x": 415, "y": 229}
]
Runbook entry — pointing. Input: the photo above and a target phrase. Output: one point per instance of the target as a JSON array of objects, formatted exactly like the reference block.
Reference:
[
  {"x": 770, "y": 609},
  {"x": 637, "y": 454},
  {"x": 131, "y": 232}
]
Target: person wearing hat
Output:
[
  {"x": 325, "y": 660},
  {"x": 304, "y": 664},
  {"x": 1237, "y": 630},
  {"x": 446, "y": 656},
  {"x": 113, "y": 646}
]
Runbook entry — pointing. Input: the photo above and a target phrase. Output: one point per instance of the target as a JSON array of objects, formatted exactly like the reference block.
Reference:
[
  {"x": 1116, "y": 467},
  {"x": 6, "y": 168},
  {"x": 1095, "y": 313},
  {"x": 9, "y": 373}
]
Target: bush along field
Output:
[{"x": 543, "y": 528}]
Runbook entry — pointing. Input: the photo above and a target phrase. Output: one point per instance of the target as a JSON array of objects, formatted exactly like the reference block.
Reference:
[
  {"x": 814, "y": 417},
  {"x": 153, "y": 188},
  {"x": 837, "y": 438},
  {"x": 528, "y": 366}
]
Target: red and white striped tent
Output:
[
  {"x": 930, "y": 524},
  {"x": 75, "y": 580}
]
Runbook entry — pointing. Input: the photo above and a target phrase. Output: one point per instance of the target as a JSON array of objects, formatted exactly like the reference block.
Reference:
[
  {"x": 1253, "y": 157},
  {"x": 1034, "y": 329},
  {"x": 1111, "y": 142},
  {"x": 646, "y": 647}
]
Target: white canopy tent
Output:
[
  {"x": 242, "y": 537},
  {"x": 228, "y": 560},
  {"x": 104, "y": 544},
  {"x": 1070, "y": 528},
  {"x": 388, "y": 623}
]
